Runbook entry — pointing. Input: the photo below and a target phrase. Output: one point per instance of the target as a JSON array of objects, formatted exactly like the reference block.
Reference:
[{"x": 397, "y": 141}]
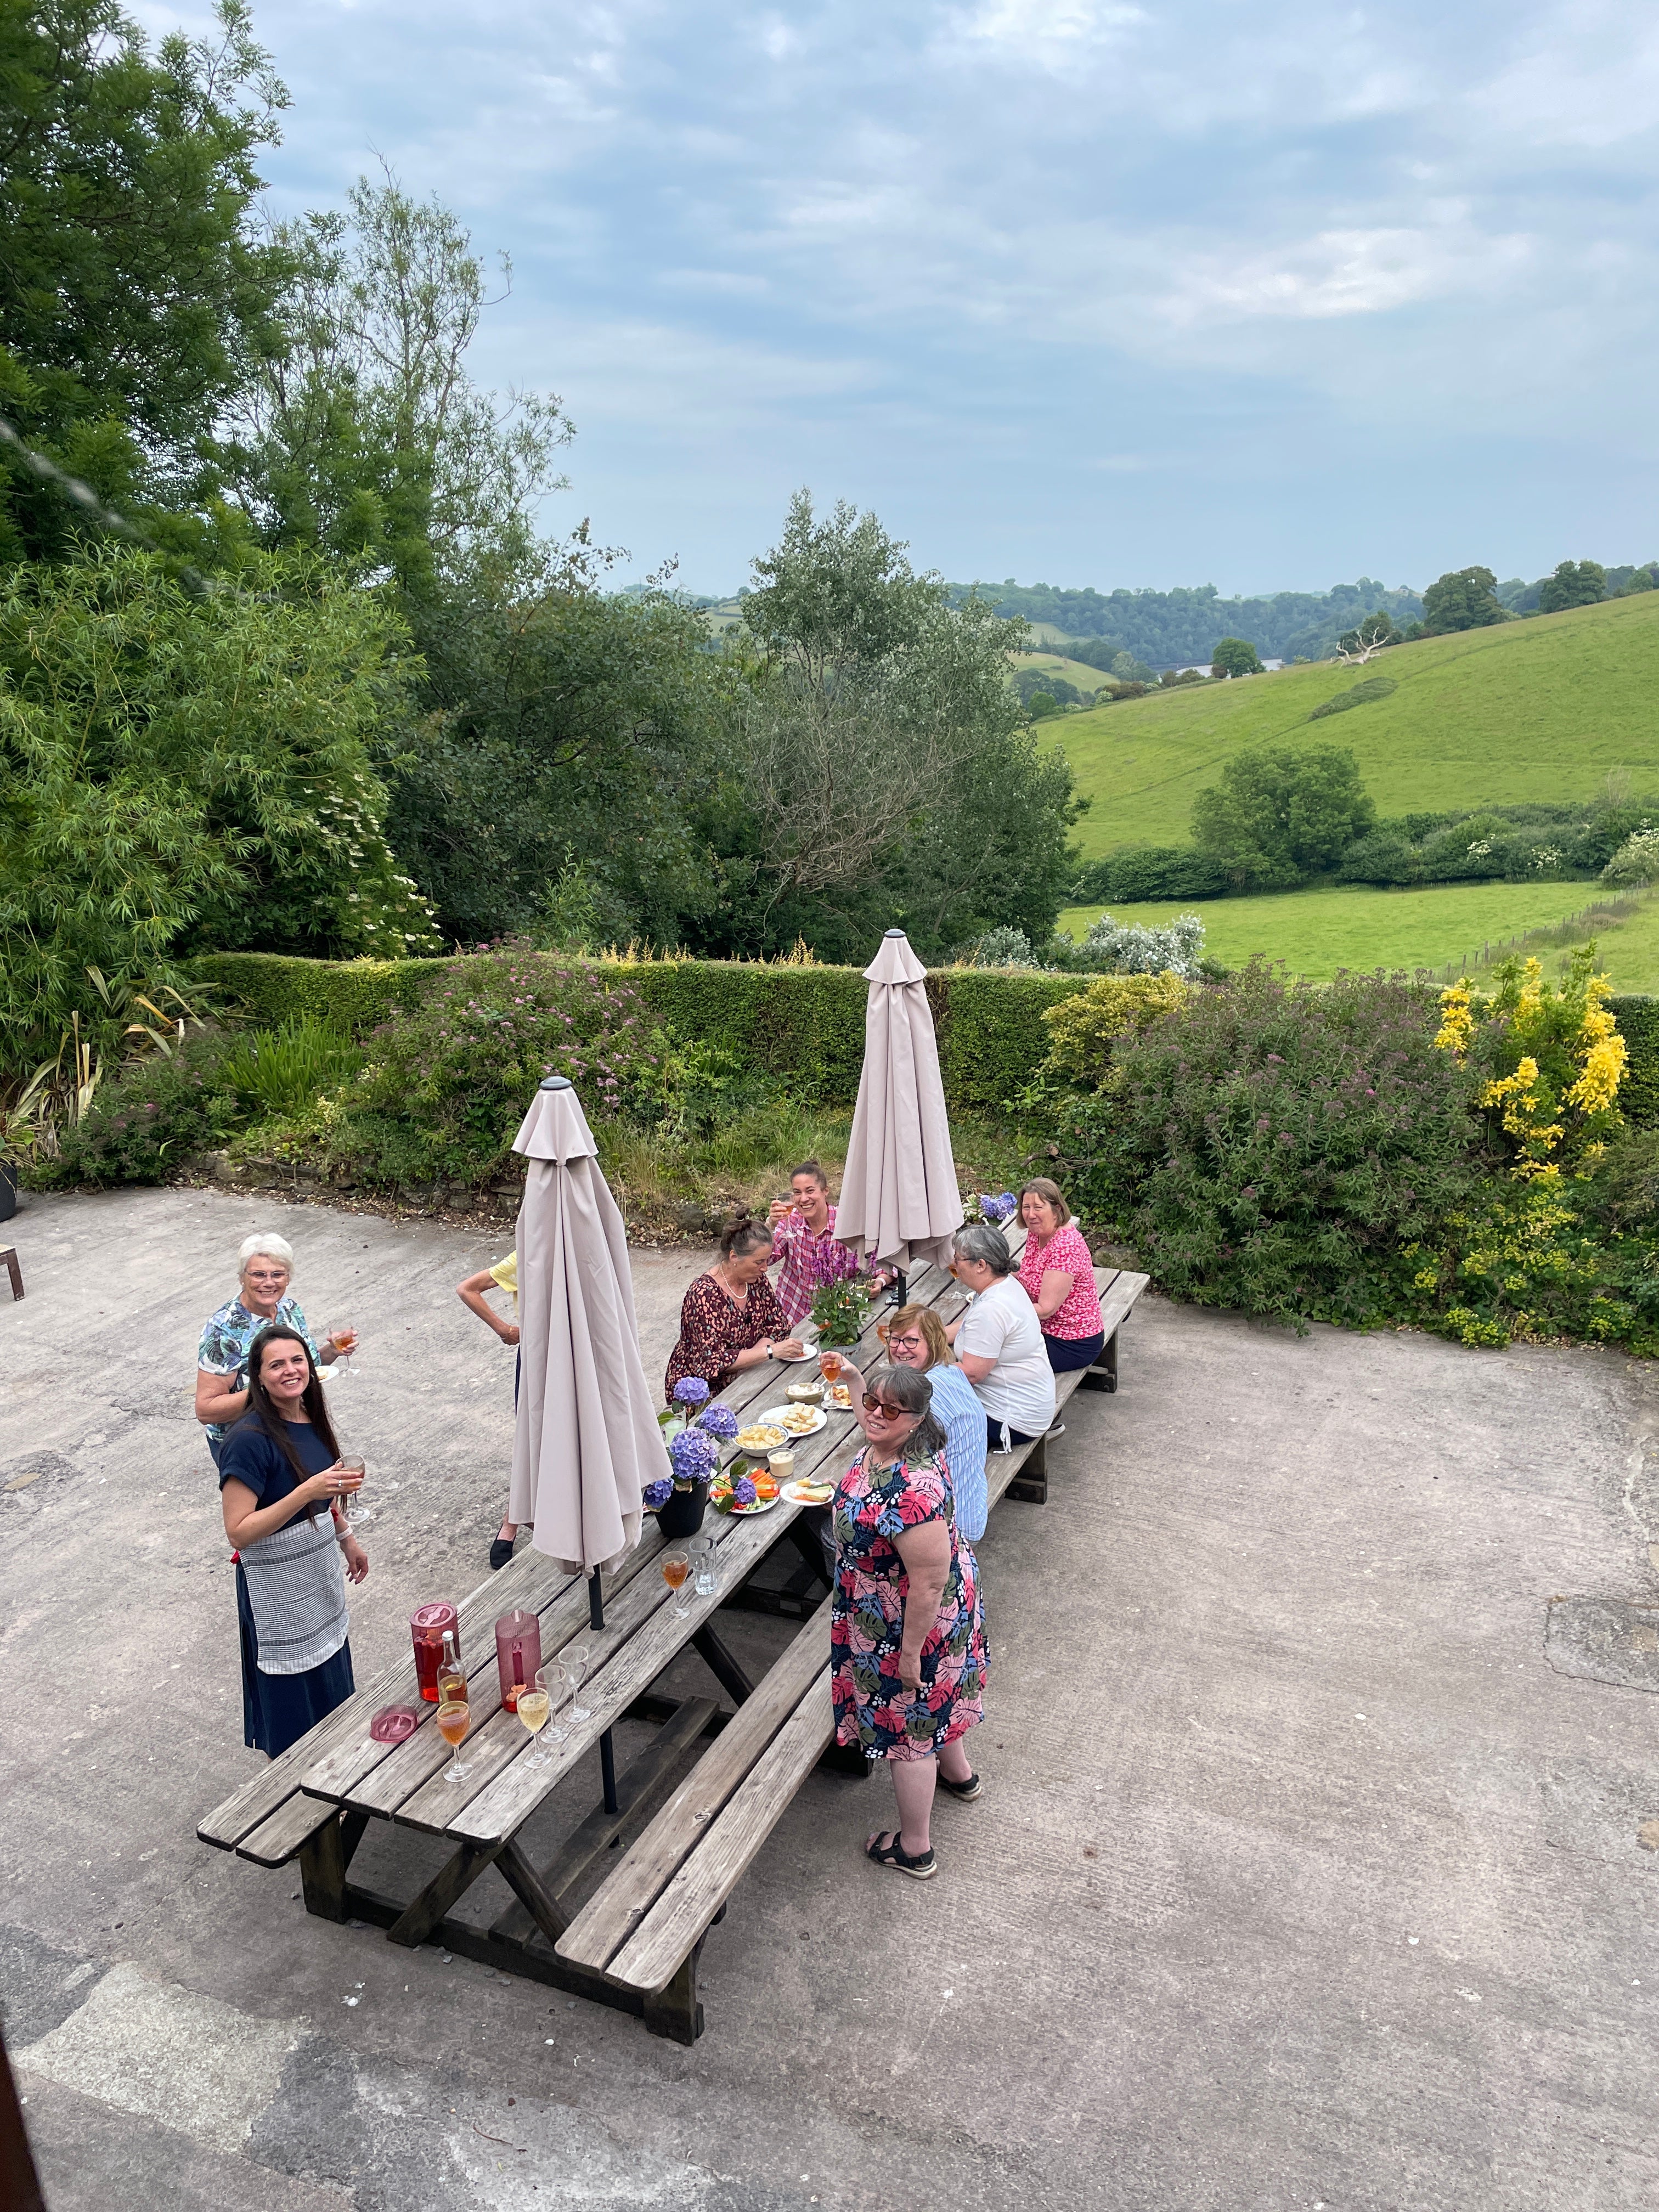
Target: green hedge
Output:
[
  {"x": 1638, "y": 1025},
  {"x": 804, "y": 1025}
]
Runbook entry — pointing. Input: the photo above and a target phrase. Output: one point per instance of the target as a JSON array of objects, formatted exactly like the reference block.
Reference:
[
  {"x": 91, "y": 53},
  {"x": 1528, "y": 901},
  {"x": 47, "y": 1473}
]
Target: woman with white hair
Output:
[{"x": 265, "y": 1268}]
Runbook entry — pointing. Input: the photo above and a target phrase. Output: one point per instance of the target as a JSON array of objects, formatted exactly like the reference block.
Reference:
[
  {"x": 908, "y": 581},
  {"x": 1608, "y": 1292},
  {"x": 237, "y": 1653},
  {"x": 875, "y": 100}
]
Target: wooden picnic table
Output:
[{"x": 682, "y": 1844}]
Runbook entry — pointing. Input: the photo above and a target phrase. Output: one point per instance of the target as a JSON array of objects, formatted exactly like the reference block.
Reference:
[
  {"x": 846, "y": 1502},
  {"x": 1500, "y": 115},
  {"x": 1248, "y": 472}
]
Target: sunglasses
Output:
[{"x": 888, "y": 1413}]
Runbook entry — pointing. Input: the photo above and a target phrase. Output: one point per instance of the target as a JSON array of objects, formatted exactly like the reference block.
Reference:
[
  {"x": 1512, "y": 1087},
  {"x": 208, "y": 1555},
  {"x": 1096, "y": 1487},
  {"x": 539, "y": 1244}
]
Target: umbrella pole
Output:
[
  {"x": 607, "y": 1748},
  {"x": 901, "y": 1290}
]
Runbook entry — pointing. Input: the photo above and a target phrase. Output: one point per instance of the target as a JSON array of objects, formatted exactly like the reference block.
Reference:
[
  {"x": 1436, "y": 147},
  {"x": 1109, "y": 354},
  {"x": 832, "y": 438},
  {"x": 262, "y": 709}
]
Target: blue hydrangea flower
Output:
[
  {"x": 691, "y": 1390},
  {"x": 720, "y": 1421},
  {"x": 657, "y": 1494},
  {"x": 744, "y": 1492},
  {"x": 694, "y": 1455}
]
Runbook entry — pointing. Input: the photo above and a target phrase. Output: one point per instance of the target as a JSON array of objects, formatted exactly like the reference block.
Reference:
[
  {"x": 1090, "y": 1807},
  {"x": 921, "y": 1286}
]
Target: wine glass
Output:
[
  {"x": 555, "y": 1678},
  {"x": 346, "y": 1337},
  {"x": 829, "y": 1367},
  {"x": 454, "y": 1719},
  {"x": 356, "y": 1511},
  {"x": 534, "y": 1704},
  {"x": 576, "y": 1659},
  {"x": 676, "y": 1566}
]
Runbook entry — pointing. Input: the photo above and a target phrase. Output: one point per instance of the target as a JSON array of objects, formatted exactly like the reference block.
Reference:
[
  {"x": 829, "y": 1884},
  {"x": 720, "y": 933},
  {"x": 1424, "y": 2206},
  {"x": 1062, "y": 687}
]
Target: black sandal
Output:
[
  {"x": 893, "y": 1854},
  {"x": 966, "y": 1792},
  {"x": 499, "y": 1553}
]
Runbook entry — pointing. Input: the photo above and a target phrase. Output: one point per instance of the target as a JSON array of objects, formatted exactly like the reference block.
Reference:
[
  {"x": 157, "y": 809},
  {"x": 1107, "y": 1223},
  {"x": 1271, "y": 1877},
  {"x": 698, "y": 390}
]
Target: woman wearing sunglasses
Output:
[
  {"x": 907, "y": 1645},
  {"x": 915, "y": 1338}
]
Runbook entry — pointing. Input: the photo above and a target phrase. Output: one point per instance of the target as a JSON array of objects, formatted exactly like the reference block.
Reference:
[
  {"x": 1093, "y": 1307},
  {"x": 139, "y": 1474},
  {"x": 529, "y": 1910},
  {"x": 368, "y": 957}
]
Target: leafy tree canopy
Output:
[
  {"x": 1234, "y": 656},
  {"x": 1575, "y": 584},
  {"x": 1279, "y": 816},
  {"x": 135, "y": 295},
  {"x": 1464, "y": 599}
]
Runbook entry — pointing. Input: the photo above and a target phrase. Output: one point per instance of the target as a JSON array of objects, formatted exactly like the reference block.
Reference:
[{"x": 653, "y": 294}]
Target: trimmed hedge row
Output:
[{"x": 804, "y": 1025}]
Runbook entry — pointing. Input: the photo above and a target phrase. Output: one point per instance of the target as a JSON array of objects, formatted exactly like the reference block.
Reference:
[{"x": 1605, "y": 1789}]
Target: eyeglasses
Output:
[
  {"x": 904, "y": 1344},
  {"x": 888, "y": 1413}
]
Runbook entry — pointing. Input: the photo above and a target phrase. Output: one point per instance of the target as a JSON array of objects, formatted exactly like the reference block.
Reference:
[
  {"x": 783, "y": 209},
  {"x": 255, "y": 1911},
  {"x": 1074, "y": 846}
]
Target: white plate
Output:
[
  {"x": 773, "y": 1417},
  {"x": 723, "y": 1504},
  {"x": 793, "y": 1491}
]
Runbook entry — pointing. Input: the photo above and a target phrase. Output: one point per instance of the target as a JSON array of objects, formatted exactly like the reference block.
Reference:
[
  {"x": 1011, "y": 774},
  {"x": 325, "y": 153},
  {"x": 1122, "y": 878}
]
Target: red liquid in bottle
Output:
[{"x": 427, "y": 1624}]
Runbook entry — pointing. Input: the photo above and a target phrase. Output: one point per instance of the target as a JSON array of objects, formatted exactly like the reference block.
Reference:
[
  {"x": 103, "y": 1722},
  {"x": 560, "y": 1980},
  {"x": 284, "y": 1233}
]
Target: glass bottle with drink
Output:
[{"x": 451, "y": 1678}]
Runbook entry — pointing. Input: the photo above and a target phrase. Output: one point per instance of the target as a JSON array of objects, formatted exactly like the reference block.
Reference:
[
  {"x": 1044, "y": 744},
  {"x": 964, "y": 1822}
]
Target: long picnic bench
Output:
[{"x": 684, "y": 1838}]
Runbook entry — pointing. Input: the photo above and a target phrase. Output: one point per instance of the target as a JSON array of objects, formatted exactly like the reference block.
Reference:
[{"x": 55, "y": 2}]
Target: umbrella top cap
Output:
[
  {"x": 896, "y": 962},
  {"x": 556, "y": 1128}
]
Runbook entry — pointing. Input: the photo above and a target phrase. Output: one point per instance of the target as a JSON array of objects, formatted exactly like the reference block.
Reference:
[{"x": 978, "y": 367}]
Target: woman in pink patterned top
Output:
[
  {"x": 803, "y": 1238},
  {"x": 1058, "y": 1274}
]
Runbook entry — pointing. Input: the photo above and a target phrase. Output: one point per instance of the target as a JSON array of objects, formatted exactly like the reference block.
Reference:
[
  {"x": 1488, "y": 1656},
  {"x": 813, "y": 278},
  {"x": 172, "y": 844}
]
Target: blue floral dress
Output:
[{"x": 873, "y": 1709}]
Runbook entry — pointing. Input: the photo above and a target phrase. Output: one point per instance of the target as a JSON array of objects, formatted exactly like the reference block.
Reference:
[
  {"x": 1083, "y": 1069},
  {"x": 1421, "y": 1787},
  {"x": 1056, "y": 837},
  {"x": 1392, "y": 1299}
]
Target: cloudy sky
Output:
[{"x": 1263, "y": 292}]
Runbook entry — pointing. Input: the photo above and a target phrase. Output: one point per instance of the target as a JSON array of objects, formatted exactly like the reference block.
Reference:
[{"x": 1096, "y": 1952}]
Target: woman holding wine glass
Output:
[
  {"x": 264, "y": 1267},
  {"x": 282, "y": 1491}
]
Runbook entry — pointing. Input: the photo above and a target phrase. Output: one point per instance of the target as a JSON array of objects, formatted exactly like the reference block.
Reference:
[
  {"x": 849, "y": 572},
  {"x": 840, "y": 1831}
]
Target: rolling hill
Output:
[{"x": 1541, "y": 709}]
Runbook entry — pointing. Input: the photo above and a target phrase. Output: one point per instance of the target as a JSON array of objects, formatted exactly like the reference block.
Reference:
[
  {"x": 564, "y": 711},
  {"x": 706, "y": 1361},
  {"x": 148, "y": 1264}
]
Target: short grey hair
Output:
[
  {"x": 264, "y": 1243},
  {"x": 987, "y": 1246}
]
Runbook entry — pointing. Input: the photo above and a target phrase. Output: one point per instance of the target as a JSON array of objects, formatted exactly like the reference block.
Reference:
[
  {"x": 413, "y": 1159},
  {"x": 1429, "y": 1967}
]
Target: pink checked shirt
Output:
[
  {"x": 1065, "y": 1254},
  {"x": 809, "y": 1263}
]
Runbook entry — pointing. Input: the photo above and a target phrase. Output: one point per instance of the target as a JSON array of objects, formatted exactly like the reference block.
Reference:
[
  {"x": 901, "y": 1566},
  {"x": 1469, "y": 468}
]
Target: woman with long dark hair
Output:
[
  {"x": 907, "y": 1636},
  {"x": 281, "y": 1485}
]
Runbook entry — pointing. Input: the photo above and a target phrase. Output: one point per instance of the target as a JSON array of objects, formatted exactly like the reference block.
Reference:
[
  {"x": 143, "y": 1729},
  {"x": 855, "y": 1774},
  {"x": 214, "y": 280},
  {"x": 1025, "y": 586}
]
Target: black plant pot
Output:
[
  {"x": 682, "y": 1515},
  {"x": 8, "y": 1190}
]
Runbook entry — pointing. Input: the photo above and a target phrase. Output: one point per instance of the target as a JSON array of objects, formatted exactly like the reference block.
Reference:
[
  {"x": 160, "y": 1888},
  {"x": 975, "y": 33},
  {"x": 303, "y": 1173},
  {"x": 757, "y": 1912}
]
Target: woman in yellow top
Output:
[{"x": 503, "y": 1276}]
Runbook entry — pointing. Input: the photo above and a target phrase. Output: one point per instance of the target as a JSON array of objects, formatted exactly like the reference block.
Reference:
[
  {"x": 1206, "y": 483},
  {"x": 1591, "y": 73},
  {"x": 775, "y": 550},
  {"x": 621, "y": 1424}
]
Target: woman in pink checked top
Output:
[
  {"x": 1057, "y": 1273},
  {"x": 803, "y": 1238}
]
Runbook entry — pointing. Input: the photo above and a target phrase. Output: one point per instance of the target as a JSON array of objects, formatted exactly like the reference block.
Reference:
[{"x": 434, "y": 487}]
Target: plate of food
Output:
[
  {"x": 722, "y": 1498},
  {"x": 840, "y": 1399},
  {"x": 805, "y": 1492},
  {"x": 764, "y": 1436},
  {"x": 794, "y": 1420}
]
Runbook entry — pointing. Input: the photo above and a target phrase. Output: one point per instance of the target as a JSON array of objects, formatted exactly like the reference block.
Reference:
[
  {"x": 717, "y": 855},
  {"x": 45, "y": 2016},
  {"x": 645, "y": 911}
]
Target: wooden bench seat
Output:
[
  {"x": 1023, "y": 1473},
  {"x": 643, "y": 1928}
]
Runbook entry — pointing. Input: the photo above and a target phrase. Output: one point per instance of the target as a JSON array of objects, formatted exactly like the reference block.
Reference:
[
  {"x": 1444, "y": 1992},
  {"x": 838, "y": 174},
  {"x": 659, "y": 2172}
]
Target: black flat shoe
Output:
[
  {"x": 893, "y": 1854},
  {"x": 499, "y": 1553},
  {"x": 967, "y": 1792}
]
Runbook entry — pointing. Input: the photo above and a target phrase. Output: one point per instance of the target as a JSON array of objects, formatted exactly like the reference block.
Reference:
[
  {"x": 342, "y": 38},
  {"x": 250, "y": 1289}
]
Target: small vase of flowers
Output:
[
  {"x": 680, "y": 1498},
  {"x": 840, "y": 1312}
]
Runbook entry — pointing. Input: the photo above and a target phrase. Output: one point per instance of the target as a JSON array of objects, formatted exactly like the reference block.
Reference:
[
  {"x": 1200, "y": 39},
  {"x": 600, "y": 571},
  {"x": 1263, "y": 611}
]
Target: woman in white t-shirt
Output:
[{"x": 998, "y": 1340}]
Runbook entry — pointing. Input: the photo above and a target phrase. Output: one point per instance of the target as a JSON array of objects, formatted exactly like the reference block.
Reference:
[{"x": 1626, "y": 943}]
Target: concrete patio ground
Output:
[{"x": 1314, "y": 1868}]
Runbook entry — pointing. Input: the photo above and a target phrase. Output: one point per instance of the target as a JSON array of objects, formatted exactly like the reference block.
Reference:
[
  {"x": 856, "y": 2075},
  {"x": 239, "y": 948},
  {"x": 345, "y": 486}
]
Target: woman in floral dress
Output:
[
  {"x": 907, "y": 1645},
  {"x": 730, "y": 1318}
]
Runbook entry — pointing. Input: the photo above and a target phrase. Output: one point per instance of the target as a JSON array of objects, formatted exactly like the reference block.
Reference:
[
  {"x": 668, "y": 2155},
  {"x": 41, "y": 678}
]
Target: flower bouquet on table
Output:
[
  {"x": 689, "y": 1392},
  {"x": 680, "y": 1498},
  {"x": 997, "y": 1208},
  {"x": 840, "y": 1312}
]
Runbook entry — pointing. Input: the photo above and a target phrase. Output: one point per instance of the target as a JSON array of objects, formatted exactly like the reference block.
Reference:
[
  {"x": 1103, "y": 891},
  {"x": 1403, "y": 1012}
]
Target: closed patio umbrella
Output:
[
  {"x": 586, "y": 1439},
  {"x": 899, "y": 1201}
]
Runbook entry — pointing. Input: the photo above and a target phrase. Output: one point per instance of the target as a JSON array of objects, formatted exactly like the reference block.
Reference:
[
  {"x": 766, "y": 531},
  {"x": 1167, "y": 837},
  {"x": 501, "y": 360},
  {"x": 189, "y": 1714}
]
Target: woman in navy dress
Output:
[{"x": 280, "y": 1486}]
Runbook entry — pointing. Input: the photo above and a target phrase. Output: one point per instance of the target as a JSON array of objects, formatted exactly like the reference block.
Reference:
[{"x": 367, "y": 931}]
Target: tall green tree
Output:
[
  {"x": 1234, "y": 656},
  {"x": 135, "y": 295},
  {"x": 1464, "y": 599},
  {"x": 1574, "y": 584},
  {"x": 1278, "y": 816},
  {"x": 181, "y": 771}
]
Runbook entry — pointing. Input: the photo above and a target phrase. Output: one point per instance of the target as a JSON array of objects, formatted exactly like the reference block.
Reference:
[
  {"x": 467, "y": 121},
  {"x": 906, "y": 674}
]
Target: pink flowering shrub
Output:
[{"x": 448, "y": 1085}]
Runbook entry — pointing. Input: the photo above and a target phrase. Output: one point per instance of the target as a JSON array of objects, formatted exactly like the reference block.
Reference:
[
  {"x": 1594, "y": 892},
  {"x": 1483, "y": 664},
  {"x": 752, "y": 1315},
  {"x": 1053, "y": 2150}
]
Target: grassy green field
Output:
[
  {"x": 1076, "y": 672},
  {"x": 1533, "y": 710},
  {"x": 1318, "y": 932}
]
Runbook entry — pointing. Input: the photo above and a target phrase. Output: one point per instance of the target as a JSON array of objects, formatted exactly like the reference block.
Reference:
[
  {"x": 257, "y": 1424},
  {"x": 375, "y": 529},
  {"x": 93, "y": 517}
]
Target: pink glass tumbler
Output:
[
  {"x": 427, "y": 1624},
  {"x": 518, "y": 1654}
]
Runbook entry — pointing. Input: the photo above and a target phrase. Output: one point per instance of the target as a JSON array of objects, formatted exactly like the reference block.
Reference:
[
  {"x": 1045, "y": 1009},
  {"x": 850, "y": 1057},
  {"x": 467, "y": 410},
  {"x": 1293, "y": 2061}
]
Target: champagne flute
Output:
[
  {"x": 576, "y": 1659},
  {"x": 555, "y": 1678},
  {"x": 356, "y": 1510},
  {"x": 454, "y": 1719},
  {"x": 534, "y": 1705},
  {"x": 676, "y": 1566}
]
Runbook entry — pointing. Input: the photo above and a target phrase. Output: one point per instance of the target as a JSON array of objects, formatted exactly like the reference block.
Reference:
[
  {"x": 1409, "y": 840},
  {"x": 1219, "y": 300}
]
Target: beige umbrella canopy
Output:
[
  {"x": 899, "y": 1201},
  {"x": 587, "y": 1440}
]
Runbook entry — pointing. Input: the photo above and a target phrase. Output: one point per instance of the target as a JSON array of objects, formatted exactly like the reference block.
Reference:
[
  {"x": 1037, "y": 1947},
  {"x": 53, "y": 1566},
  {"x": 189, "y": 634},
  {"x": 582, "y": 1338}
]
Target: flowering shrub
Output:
[
  {"x": 1273, "y": 1144},
  {"x": 720, "y": 1421},
  {"x": 149, "y": 1118},
  {"x": 1531, "y": 1259},
  {"x": 1124, "y": 946},
  {"x": 1552, "y": 1060},
  {"x": 447, "y": 1084},
  {"x": 1083, "y": 1029},
  {"x": 690, "y": 1390}
]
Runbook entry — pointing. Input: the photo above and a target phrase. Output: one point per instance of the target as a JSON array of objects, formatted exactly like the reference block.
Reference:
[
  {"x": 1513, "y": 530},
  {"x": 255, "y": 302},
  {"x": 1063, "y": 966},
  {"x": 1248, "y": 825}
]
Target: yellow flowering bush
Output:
[{"x": 1552, "y": 1057}]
